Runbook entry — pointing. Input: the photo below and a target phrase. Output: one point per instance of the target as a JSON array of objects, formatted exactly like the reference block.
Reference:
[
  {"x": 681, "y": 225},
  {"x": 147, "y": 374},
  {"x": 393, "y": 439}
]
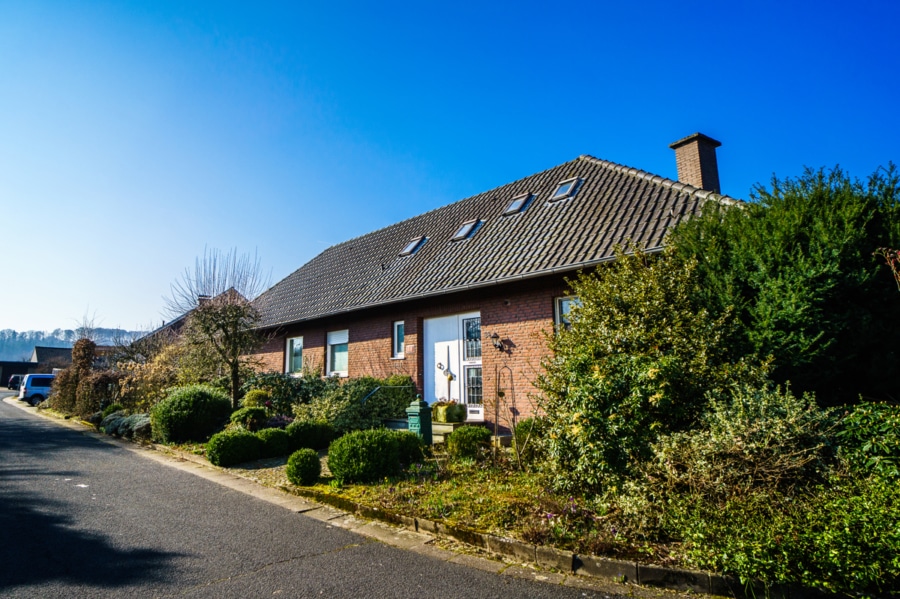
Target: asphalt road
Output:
[{"x": 80, "y": 517}]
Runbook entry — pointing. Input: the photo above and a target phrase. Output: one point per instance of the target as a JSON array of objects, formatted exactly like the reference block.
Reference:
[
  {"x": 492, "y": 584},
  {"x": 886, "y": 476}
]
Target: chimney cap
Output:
[{"x": 695, "y": 137}]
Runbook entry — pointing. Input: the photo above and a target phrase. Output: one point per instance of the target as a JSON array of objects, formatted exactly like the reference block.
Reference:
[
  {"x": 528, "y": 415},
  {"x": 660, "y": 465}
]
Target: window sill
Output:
[{"x": 400, "y": 357}]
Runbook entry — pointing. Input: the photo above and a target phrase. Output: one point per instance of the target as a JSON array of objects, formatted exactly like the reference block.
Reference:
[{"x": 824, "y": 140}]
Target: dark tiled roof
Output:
[
  {"x": 614, "y": 204},
  {"x": 45, "y": 354}
]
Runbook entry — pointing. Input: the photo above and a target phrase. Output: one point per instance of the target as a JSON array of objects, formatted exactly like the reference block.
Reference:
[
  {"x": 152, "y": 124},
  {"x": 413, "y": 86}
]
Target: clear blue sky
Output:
[{"x": 134, "y": 134}]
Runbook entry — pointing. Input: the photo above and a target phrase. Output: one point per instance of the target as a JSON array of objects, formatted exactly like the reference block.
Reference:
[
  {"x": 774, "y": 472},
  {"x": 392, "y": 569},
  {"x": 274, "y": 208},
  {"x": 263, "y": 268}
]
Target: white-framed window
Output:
[
  {"x": 397, "y": 339},
  {"x": 293, "y": 355},
  {"x": 466, "y": 230},
  {"x": 518, "y": 204},
  {"x": 565, "y": 189},
  {"x": 564, "y": 306},
  {"x": 337, "y": 344},
  {"x": 413, "y": 246}
]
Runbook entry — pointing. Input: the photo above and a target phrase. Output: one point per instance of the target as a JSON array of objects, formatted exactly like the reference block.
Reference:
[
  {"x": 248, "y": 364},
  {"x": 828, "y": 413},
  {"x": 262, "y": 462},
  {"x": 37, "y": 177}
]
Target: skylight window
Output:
[
  {"x": 519, "y": 204},
  {"x": 565, "y": 189},
  {"x": 413, "y": 246},
  {"x": 467, "y": 229}
]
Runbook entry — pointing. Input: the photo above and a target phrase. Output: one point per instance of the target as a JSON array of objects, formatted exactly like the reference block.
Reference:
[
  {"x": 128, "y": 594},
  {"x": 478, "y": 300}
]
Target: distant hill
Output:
[{"x": 15, "y": 345}]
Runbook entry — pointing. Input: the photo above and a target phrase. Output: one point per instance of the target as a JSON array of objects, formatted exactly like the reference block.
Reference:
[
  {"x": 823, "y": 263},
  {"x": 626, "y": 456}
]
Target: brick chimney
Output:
[{"x": 695, "y": 156}]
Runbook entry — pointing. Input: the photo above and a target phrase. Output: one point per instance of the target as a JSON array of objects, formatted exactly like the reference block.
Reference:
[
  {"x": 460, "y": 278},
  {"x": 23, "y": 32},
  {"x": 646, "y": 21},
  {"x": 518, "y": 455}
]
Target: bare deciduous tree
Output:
[{"x": 215, "y": 297}]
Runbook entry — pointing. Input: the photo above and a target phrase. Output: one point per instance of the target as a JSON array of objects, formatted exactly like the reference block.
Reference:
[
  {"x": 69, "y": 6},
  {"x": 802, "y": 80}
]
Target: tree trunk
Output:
[{"x": 235, "y": 385}]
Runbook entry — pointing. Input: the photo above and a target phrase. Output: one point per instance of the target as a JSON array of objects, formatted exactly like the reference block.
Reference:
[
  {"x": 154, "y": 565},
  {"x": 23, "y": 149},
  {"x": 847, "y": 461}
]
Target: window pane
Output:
[
  {"x": 339, "y": 357},
  {"x": 472, "y": 342},
  {"x": 295, "y": 355},
  {"x": 474, "y": 393},
  {"x": 398, "y": 338}
]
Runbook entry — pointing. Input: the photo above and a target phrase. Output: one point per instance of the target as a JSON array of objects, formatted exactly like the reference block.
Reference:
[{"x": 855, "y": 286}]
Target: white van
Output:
[{"x": 35, "y": 388}]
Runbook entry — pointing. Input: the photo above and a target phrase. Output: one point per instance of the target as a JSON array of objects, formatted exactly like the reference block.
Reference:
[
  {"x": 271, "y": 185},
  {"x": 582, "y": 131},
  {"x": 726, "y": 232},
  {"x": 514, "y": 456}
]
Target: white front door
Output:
[{"x": 453, "y": 358}]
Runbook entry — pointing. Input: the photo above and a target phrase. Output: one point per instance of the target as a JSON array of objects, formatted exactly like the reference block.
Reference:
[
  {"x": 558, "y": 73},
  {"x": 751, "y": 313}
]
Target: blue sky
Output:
[{"x": 135, "y": 134}]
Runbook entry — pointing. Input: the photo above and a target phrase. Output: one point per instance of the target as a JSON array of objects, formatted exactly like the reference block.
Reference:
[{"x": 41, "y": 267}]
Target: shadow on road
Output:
[{"x": 39, "y": 542}]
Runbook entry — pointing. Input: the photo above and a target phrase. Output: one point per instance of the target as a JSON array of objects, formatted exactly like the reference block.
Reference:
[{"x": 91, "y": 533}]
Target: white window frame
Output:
[
  {"x": 467, "y": 230},
  {"x": 397, "y": 349},
  {"x": 559, "y": 314},
  {"x": 573, "y": 189},
  {"x": 288, "y": 346},
  {"x": 524, "y": 198},
  {"x": 412, "y": 246},
  {"x": 335, "y": 338}
]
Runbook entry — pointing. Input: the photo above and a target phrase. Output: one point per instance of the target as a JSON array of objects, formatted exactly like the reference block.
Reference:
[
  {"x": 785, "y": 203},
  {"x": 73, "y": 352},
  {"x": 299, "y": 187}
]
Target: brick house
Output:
[{"x": 460, "y": 298}]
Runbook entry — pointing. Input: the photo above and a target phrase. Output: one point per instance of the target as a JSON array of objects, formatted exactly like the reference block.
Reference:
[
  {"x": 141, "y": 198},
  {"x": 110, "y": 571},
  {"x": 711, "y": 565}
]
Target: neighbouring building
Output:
[{"x": 460, "y": 298}]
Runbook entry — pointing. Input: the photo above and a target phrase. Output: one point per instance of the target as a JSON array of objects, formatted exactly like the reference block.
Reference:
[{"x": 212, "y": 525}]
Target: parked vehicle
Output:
[
  {"x": 14, "y": 382},
  {"x": 35, "y": 388}
]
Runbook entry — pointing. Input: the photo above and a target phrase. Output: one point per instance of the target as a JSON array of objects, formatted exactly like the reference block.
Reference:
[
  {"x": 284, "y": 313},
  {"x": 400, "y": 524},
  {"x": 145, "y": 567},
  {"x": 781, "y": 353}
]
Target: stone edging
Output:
[{"x": 620, "y": 571}]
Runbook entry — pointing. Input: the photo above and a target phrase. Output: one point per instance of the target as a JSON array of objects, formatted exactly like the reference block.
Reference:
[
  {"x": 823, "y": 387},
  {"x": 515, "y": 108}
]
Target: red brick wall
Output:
[{"x": 519, "y": 313}]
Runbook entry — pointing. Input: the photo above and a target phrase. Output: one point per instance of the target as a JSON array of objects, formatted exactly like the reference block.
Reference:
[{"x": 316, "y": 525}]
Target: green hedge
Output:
[
  {"x": 311, "y": 435},
  {"x": 251, "y": 418},
  {"x": 233, "y": 447},
  {"x": 365, "y": 456},
  {"x": 469, "y": 442},
  {"x": 190, "y": 413},
  {"x": 275, "y": 442}
]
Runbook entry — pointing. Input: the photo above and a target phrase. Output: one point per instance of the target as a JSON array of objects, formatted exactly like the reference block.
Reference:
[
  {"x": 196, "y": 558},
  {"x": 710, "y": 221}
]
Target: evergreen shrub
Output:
[
  {"x": 312, "y": 435},
  {"x": 251, "y": 418},
  {"x": 469, "y": 442},
  {"x": 116, "y": 407},
  {"x": 256, "y": 398},
  {"x": 190, "y": 413},
  {"x": 364, "y": 456},
  {"x": 275, "y": 442},
  {"x": 304, "y": 467},
  {"x": 233, "y": 447},
  {"x": 410, "y": 448}
]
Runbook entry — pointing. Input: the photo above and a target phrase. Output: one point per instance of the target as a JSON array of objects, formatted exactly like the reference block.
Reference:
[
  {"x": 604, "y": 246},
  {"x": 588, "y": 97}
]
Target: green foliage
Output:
[
  {"x": 527, "y": 438},
  {"x": 843, "y": 536},
  {"x": 136, "y": 426},
  {"x": 286, "y": 390},
  {"x": 256, "y": 398},
  {"x": 116, "y": 407},
  {"x": 869, "y": 438},
  {"x": 251, "y": 418},
  {"x": 448, "y": 411},
  {"x": 469, "y": 442},
  {"x": 359, "y": 404},
  {"x": 310, "y": 435},
  {"x": 189, "y": 413},
  {"x": 275, "y": 442},
  {"x": 364, "y": 456},
  {"x": 797, "y": 266},
  {"x": 233, "y": 447},
  {"x": 303, "y": 467},
  {"x": 637, "y": 362},
  {"x": 410, "y": 448}
]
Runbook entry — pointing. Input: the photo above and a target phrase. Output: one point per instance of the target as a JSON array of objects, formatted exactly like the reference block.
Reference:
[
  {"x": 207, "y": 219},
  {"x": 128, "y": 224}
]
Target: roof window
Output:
[
  {"x": 467, "y": 229},
  {"x": 413, "y": 246},
  {"x": 519, "y": 204},
  {"x": 565, "y": 189}
]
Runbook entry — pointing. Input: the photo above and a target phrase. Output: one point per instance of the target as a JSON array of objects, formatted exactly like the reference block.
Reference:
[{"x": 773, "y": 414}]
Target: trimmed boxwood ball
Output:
[
  {"x": 409, "y": 447},
  {"x": 190, "y": 413},
  {"x": 311, "y": 435},
  {"x": 251, "y": 418},
  {"x": 304, "y": 467},
  {"x": 275, "y": 442},
  {"x": 364, "y": 456},
  {"x": 256, "y": 398},
  {"x": 233, "y": 447},
  {"x": 468, "y": 442}
]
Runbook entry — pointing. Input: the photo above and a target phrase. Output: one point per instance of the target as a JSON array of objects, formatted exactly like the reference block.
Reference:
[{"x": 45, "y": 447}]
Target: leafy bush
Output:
[
  {"x": 468, "y": 442},
  {"x": 251, "y": 418},
  {"x": 136, "y": 426},
  {"x": 116, "y": 407},
  {"x": 189, "y": 413},
  {"x": 275, "y": 442},
  {"x": 796, "y": 264},
  {"x": 95, "y": 389},
  {"x": 111, "y": 422},
  {"x": 360, "y": 403},
  {"x": 256, "y": 398},
  {"x": 637, "y": 362},
  {"x": 410, "y": 448},
  {"x": 527, "y": 436},
  {"x": 233, "y": 447},
  {"x": 311, "y": 435},
  {"x": 286, "y": 390},
  {"x": 869, "y": 438},
  {"x": 303, "y": 467},
  {"x": 364, "y": 456}
]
